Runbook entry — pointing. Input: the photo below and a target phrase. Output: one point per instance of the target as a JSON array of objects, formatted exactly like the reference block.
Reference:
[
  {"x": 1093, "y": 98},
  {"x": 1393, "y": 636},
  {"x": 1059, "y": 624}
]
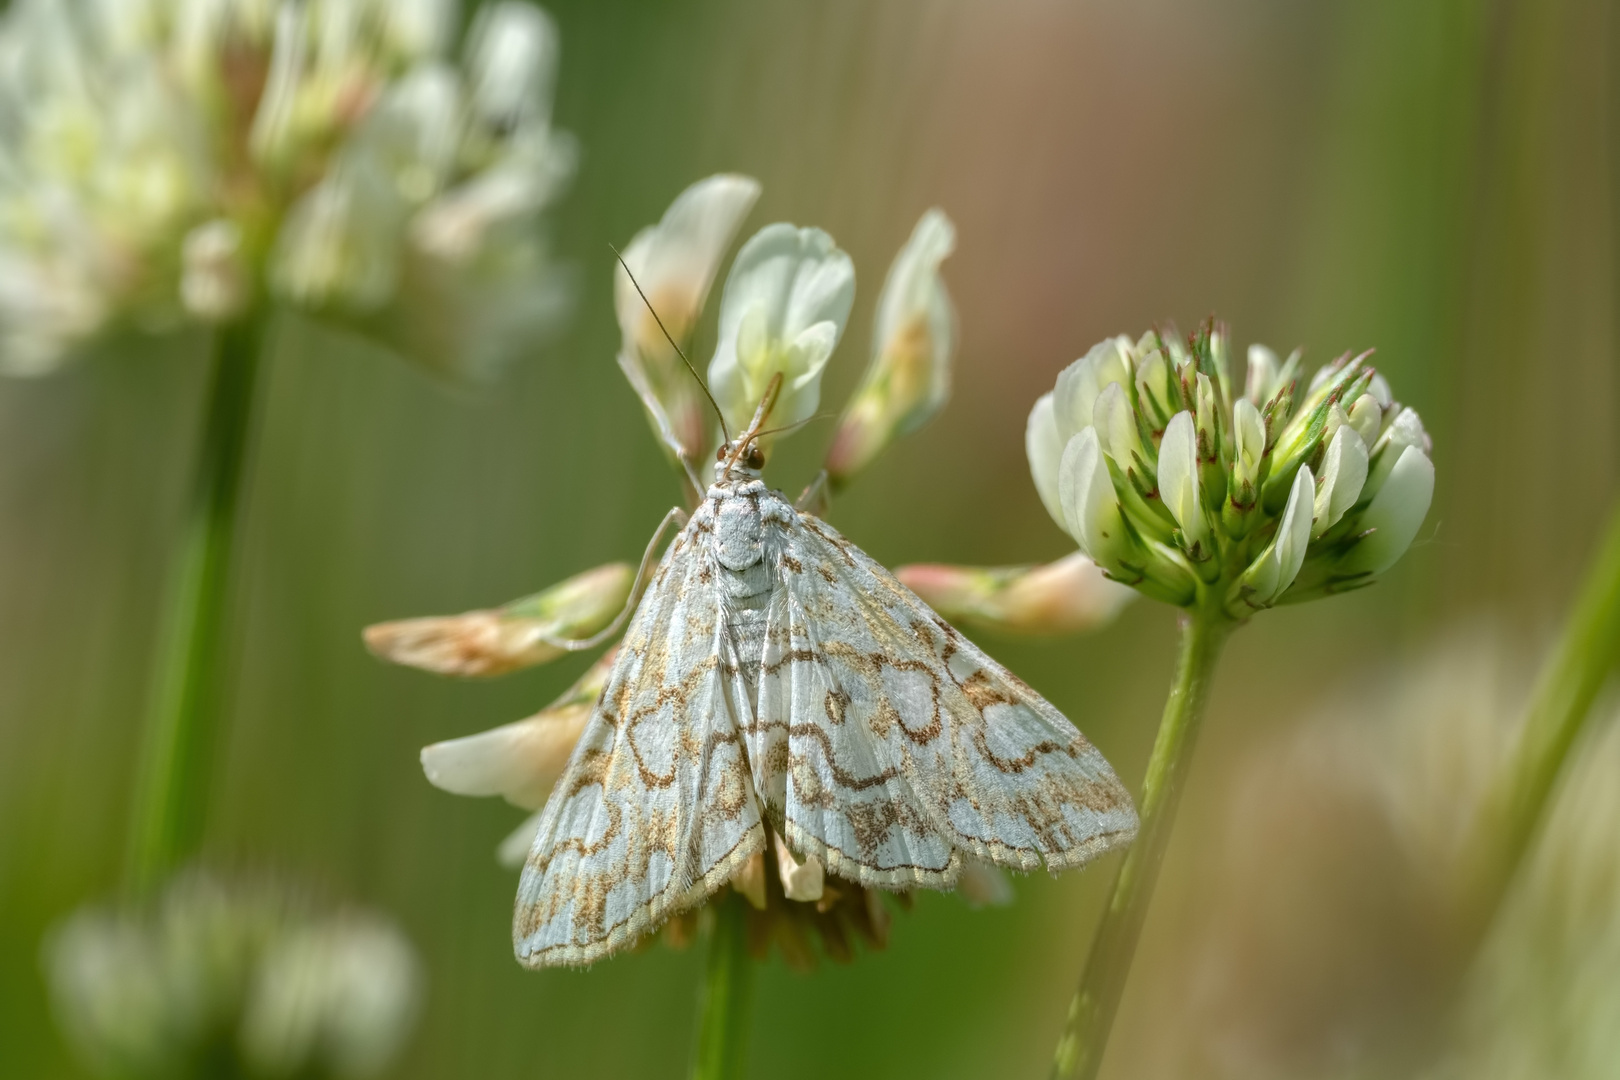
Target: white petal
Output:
[
  {"x": 511, "y": 63},
  {"x": 802, "y": 881},
  {"x": 515, "y": 848},
  {"x": 913, "y": 290},
  {"x": 1178, "y": 476},
  {"x": 1090, "y": 506},
  {"x": 1045, "y": 452},
  {"x": 784, "y": 281},
  {"x": 984, "y": 885},
  {"x": 1366, "y": 414},
  {"x": 1261, "y": 381},
  {"x": 1344, "y": 470},
  {"x": 519, "y": 761},
  {"x": 1394, "y": 516},
  {"x": 1115, "y": 422},
  {"x": 675, "y": 261},
  {"x": 1294, "y": 532},
  {"x": 1404, "y": 431},
  {"x": 1079, "y": 384},
  {"x": 1249, "y": 433}
]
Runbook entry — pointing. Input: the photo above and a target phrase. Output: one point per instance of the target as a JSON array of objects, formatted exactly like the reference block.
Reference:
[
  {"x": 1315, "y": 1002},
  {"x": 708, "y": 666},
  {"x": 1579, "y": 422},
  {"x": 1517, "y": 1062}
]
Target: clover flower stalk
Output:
[
  {"x": 784, "y": 305},
  {"x": 1222, "y": 503},
  {"x": 178, "y": 163}
]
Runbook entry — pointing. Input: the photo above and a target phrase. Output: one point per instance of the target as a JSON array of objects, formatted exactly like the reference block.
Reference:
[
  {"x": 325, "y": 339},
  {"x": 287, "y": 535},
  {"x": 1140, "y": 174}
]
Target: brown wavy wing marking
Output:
[
  {"x": 890, "y": 745},
  {"x": 656, "y": 808}
]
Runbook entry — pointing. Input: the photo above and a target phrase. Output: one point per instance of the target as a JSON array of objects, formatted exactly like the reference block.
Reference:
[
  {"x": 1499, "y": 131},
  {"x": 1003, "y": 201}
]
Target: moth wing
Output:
[
  {"x": 906, "y": 747},
  {"x": 656, "y": 807}
]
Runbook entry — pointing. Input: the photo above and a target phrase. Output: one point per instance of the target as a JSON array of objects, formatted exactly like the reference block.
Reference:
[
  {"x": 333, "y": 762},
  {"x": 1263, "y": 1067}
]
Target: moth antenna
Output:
[
  {"x": 670, "y": 338},
  {"x": 766, "y": 404},
  {"x": 795, "y": 426}
]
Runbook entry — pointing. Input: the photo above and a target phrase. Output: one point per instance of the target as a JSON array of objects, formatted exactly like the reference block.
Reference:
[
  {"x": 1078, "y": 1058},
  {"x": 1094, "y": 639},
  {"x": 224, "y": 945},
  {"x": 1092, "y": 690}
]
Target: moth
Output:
[{"x": 776, "y": 678}]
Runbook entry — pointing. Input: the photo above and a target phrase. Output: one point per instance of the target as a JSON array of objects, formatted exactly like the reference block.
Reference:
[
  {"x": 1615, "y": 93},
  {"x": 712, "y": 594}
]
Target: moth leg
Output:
[{"x": 676, "y": 515}]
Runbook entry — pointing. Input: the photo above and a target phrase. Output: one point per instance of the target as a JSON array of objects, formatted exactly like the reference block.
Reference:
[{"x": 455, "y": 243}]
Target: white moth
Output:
[{"x": 776, "y": 678}]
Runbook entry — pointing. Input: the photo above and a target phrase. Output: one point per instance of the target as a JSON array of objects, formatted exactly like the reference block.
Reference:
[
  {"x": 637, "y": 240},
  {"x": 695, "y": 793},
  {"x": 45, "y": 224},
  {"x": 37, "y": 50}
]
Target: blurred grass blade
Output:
[
  {"x": 177, "y": 750},
  {"x": 1585, "y": 656}
]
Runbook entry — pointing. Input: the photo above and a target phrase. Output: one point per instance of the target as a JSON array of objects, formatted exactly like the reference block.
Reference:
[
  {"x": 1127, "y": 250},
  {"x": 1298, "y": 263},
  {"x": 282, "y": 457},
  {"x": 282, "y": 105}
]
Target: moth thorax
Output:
[{"x": 737, "y": 533}]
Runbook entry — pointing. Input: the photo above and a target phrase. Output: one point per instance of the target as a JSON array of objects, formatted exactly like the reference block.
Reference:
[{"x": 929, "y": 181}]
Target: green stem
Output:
[
  {"x": 722, "y": 1038},
  {"x": 1091, "y": 1013},
  {"x": 1585, "y": 655},
  {"x": 182, "y": 727}
]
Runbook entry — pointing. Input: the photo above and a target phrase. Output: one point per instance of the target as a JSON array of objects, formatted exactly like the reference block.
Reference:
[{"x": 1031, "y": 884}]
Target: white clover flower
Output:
[
  {"x": 1196, "y": 496},
  {"x": 782, "y": 312},
  {"x": 244, "y": 979},
  {"x": 675, "y": 263},
  {"x": 343, "y": 991},
  {"x": 913, "y": 337},
  {"x": 168, "y": 161}
]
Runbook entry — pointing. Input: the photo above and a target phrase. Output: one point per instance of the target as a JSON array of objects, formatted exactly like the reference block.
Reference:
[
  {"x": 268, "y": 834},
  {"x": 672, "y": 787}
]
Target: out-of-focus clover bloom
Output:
[
  {"x": 1063, "y": 597},
  {"x": 170, "y": 161},
  {"x": 249, "y": 980},
  {"x": 782, "y": 312},
  {"x": 909, "y": 377},
  {"x": 1203, "y": 498},
  {"x": 675, "y": 263},
  {"x": 521, "y": 634}
]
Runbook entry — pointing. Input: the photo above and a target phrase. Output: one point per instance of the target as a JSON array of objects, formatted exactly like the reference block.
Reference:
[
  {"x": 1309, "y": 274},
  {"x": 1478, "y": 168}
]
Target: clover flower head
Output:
[
  {"x": 249, "y": 977},
  {"x": 1200, "y": 496},
  {"x": 174, "y": 161}
]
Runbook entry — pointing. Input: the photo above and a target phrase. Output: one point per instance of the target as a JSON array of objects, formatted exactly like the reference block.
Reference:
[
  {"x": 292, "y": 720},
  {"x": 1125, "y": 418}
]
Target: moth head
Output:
[{"x": 744, "y": 452}]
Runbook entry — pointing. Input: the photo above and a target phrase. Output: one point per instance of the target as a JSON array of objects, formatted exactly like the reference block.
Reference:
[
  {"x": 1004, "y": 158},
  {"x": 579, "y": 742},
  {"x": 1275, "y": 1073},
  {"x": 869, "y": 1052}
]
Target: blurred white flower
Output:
[
  {"x": 675, "y": 263},
  {"x": 245, "y": 978},
  {"x": 173, "y": 160},
  {"x": 782, "y": 312},
  {"x": 913, "y": 337},
  {"x": 343, "y": 992}
]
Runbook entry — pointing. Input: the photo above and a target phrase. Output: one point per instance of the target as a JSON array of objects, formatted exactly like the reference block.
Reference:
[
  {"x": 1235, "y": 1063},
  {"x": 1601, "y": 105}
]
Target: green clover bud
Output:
[
  {"x": 1173, "y": 486},
  {"x": 909, "y": 377},
  {"x": 783, "y": 310}
]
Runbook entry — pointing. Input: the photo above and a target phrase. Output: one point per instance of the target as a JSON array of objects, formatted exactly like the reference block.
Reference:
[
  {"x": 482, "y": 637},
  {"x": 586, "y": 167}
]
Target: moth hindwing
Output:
[{"x": 775, "y": 677}]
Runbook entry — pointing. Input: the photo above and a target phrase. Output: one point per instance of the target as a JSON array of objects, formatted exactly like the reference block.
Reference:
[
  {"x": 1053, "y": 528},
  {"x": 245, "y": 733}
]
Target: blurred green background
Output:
[{"x": 1436, "y": 180}]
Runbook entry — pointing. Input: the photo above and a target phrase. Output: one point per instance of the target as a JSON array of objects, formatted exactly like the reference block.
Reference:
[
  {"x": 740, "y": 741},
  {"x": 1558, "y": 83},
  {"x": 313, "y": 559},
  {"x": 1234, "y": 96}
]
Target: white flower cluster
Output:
[
  {"x": 171, "y": 160},
  {"x": 1205, "y": 498},
  {"x": 242, "y": 978},
  {"x": 783, "y": 310}
]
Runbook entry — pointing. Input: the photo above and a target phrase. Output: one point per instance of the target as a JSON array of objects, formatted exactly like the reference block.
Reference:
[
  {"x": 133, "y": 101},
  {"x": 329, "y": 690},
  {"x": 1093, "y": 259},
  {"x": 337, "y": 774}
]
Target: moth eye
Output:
[
  {"x": 720, "y": 454},
  {"x": 755, "y": 458}
]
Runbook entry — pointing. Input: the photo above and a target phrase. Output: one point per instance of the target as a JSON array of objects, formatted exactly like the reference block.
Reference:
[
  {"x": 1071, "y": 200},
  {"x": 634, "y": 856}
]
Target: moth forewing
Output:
[{"x": 655, "y": 810}]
